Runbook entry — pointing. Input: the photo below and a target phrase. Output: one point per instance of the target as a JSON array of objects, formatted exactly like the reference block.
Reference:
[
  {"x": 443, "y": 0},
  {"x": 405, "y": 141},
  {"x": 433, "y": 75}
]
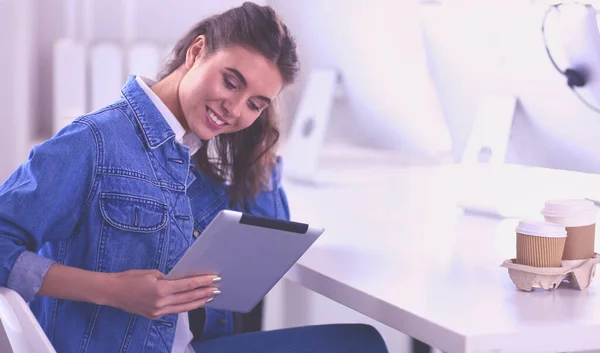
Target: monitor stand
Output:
[{"x": 309, "y": 127}]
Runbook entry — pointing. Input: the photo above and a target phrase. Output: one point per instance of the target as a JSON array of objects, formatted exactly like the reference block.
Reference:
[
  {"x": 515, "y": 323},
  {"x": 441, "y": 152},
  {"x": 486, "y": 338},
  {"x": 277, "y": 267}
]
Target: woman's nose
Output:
[{"x": 233, "y": 107}]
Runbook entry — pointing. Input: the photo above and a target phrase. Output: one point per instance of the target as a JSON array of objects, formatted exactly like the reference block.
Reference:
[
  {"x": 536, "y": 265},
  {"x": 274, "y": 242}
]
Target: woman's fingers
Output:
[
  {"x": 191, "y": 296},
  {"x": 181, "y": 308},
  {"x": 190, "y": 283}
]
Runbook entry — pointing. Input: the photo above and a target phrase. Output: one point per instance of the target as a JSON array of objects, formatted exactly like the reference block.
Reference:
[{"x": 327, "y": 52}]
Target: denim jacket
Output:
[{"x": 111, "y": 192}]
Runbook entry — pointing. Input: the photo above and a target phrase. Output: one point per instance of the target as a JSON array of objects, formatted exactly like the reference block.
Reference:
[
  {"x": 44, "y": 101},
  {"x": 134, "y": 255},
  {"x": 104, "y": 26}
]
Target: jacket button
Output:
[
  {"x": 222, "y": 321},
  {"x": 196, "y": 233}
]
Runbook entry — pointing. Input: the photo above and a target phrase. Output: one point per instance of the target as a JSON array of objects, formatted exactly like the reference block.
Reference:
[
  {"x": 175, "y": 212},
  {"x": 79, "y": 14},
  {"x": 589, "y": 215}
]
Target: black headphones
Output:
[{"x": 574, "y": 77}]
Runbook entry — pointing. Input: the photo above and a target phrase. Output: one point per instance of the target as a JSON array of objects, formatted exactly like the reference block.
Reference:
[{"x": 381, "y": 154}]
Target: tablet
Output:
[{"x": 251, "y": 254}]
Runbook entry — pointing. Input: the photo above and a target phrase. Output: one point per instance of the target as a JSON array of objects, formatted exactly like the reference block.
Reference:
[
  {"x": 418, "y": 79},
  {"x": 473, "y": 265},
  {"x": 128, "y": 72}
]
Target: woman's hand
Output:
[{"x": 147, "y": 293}]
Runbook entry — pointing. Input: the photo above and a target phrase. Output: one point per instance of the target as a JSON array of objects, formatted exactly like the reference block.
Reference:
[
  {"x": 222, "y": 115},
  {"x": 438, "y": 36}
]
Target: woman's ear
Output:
[{"x": 195, "y": 51}]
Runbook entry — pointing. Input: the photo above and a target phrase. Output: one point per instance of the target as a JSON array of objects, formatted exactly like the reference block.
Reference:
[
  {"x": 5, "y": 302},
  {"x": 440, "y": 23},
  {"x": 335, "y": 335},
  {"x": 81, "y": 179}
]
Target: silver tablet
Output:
[{"x": 250, "y": 253}]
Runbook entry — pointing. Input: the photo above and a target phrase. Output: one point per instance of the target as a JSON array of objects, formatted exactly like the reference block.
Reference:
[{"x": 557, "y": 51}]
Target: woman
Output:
[{"x": 89, "y": 224}]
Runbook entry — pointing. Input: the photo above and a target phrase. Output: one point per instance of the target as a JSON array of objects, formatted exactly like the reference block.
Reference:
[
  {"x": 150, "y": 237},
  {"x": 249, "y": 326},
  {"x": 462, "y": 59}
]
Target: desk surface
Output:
[{"x": 399, "y": 250}]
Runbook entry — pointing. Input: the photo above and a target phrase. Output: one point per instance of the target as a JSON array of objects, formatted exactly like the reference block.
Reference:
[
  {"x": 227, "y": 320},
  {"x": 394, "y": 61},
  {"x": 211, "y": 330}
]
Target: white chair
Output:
[{"x": 19, "y": 330}]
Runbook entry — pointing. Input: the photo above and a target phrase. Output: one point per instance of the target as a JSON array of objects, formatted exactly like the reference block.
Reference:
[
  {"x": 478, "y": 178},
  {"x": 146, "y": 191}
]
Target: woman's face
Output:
[{"x": 227, "y": 91}]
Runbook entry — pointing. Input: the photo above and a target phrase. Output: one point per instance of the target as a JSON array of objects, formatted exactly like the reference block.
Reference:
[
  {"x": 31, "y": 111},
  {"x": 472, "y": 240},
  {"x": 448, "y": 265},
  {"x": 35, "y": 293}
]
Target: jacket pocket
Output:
[{"x": 133, "y": 213}]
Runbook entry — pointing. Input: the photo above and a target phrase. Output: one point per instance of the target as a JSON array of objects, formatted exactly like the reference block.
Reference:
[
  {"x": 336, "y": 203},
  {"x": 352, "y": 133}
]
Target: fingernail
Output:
[
  {"x": 216, "y": 280},
  {"x": 210, "y": 300},
  {"x": 216, "y": 292}
]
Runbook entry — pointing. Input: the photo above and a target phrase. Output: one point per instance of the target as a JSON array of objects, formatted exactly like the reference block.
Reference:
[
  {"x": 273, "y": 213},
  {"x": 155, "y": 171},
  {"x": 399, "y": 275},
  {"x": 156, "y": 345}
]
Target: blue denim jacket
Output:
[{"x": 111, "y": 192}]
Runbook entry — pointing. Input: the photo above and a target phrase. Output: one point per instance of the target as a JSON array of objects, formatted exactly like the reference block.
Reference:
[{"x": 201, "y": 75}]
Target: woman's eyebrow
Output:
[{"x": 238, "y": 74}]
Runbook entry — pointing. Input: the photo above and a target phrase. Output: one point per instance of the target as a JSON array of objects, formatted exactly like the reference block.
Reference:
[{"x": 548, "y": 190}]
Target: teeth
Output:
[{"x": 214, "y": 118}]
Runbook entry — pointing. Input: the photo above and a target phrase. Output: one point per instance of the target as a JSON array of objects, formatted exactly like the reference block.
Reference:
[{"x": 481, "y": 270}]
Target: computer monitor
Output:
[
  {"x": 388, "y": 99},
  {"x": 488, "y": 49}
]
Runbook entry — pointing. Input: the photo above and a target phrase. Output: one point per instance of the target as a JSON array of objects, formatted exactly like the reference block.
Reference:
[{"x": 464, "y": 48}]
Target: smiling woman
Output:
[
  {"x": 221, "y": 93},
  {"x": 221, "y": 80},
  {"x": 96, "y": 216}
]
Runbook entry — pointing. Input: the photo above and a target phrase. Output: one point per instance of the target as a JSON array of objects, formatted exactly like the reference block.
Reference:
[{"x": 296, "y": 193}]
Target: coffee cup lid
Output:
[
  {"x": 568, "y": 207},
  {"x": 541, "y": 229}
]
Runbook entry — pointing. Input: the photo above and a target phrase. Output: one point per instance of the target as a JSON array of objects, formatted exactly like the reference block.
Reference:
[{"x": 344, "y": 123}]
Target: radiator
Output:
[{"x": 89, "y": 77}]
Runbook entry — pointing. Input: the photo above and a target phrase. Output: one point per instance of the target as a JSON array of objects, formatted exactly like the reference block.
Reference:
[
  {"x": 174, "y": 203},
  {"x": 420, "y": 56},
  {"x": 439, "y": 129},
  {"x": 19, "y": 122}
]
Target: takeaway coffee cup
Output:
[
  {"x": 579, "y": 218},
  {"x": 540, "y": 244}
]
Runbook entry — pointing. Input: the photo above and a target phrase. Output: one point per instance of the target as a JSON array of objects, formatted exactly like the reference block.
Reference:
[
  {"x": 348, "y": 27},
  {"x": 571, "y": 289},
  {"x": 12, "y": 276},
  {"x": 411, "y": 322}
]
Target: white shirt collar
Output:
[{"x": 188, "y": 139}]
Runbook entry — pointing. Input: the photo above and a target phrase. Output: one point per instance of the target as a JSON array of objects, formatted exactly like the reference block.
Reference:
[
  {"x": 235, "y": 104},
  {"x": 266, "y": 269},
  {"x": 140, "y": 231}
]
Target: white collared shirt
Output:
[
  {"x": 188, "y": 139},
  {"x": 183, "y": 335}
]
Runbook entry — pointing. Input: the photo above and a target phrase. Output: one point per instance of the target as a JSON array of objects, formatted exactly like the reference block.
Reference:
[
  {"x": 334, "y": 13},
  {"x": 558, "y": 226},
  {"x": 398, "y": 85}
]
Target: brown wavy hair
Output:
[{"x": 244, "y": 158}]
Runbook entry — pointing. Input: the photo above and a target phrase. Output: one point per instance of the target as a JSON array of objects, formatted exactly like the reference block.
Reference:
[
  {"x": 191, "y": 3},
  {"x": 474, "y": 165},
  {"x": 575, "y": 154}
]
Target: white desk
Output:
[{"x": 400, "y": 251}]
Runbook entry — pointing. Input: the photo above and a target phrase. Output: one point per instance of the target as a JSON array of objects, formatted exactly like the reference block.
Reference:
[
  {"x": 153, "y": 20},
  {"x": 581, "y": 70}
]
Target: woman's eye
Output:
[
  {"x": 228, "y": 83},
  {"x": 253, "y": 106}
]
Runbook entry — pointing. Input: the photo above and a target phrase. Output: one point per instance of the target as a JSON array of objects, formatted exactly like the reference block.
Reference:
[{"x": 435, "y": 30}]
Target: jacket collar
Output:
[{"x": 154, "y": 127}]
